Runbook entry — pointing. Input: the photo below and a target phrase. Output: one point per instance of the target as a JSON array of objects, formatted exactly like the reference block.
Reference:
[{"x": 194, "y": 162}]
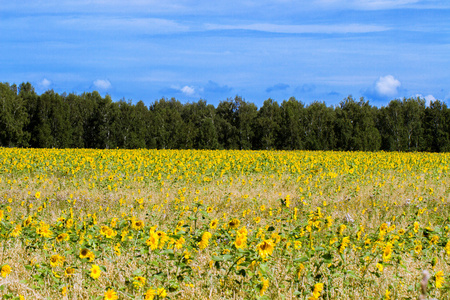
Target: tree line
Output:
[{"x": 51, "y": 120}]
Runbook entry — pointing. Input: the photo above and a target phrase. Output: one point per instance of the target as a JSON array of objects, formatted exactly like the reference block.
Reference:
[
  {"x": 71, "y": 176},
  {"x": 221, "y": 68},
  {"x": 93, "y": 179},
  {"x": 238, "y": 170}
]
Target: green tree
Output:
[
  {"x": 40, "y": 127},
  {"x": 355, "y": 126},
  {"x": 268, "y": 125},
  {"x": 319, "y": 132},
  {"x": 401, "y": 125},
  {"x": 81, "y": 109},
  {"x": 13, "y": 117},
  {"x": 99, "y": 129},
  {"x": 55, "y": 115},
  {"x": 292, "y": 125},
  {"x": 142, "y": 125},
  {"x": 414, "y": 114},
  {"x": 246, "y": 118},
  {"x": 226, "y": 124},
  {"x": 130, "y": 125},
  {"x": 199, "y": 130},
  {"x": 437, "y": 133},
  {"x": 391, "y": 126},
  {"x": 167, "y": 123}
]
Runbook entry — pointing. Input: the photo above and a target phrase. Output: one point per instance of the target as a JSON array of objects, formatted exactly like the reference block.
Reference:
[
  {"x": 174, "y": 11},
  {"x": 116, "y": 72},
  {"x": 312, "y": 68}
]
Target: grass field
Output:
[{"x": 185, "y": 224}]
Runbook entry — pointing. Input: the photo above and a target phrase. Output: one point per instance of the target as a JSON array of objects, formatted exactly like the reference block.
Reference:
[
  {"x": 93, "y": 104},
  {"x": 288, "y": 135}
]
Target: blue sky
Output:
[{"x": 313, "y": 50}]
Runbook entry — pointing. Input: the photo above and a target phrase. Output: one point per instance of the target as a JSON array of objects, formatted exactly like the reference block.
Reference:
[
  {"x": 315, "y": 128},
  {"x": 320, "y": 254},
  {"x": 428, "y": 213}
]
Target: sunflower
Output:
[
  {"x": 162, "y": 293},
  {"x": 111, "y": 295},
  {"x": 387, "y": 252},
  {"x": 418, "y": 249},
  {"x": 103, "y": 230},
  {"x": 179, "y": 243},
  {"x": 56, "y": 260},
  {"x": 153, "y": 240},
  {"x": 69, "y": 223},
  {"x": 205, "y": 240},
  {"x": 62, "y": 237},
  {"x": 416, "y": 227},
  {"x": 91, "y": 256},
  {"x": 17, "y": 230},
  {"x": 150, "y": 294},
  {"x": 241, "y": 238},
  {"x": 233, "y": 224},
  {"x": 117, "y": 249},
  {"x": 95, "y": 271},
  {"x": 318, "y": 288},
  {"x": 163, "y": 238},
  {"x": 44, "y": 230},
  {"x": 137, "y": 224},
  {"x": 447, "y": 248},
  {"x": 139, "y": 281},
  {"x": 341, "y": 229},
  {"x": 69, "y": 272},
  {"x": 241, "y": 242},
  {"x": 264, "y": 286},
  {"x": 86, "y": 253},
  {"x": 27, "y": 221},
  {"x": 434, "y": 239},
  {"x": 439, "y": 279},
  {"x": 110, "y": 233},
  {"x": 265, "y": 248},
  {"x": 213, "y": 224},
  {"x": 379, "y": 267},
  {"x": 344, "y": 244},
  {"x": 114, "y": 222},
  {"x": 5, "y": 271}
]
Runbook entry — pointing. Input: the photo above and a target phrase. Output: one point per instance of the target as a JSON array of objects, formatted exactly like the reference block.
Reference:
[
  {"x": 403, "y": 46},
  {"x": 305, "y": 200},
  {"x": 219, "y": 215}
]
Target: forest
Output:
[{"x": 53, "y": 120}]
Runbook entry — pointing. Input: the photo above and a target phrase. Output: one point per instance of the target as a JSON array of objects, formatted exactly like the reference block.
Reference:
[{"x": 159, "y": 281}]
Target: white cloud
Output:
[
  {"x": 97, "y": 6},
  {"x": 430, "y": 98},
  {"x": 387, "y": 85},
  {"x": 45, "y": 83},
  {"x": 366, "y": 4},
  {"x": 188, "y": 90},
  {"x": 120, "y": 24},
  {"x": 427, "y": 98},
  {"x": 332, "y": 28},
  {"x": 102, "y": 84},
  {"x": 382, "y": 4}
]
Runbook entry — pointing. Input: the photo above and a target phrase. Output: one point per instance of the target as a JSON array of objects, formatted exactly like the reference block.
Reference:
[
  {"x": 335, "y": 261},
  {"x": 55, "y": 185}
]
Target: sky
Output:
[{"x": 313, "y": 50}]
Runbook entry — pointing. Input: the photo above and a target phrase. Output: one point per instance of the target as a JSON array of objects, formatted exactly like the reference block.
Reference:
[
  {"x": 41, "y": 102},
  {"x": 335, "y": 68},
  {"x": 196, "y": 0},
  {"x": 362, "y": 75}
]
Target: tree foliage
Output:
[{"x": 92, "y": 121}]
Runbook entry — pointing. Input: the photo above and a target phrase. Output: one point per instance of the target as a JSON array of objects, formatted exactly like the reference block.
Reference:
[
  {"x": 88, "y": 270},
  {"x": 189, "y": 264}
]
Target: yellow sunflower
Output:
[{"x": 265, "y": 248}]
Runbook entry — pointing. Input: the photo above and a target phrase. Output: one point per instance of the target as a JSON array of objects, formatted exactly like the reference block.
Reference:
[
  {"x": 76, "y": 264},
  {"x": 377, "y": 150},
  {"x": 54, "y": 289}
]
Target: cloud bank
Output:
[
  {"x": 387, "y": 86},
  {"x": 384, "y": 88},
  {"x": 188, "y": 90},
  {"x": 102, "y": 84},
  {"x": 44, "y": 84},
  {"x": 277, "y": 87},
  {"x": 298, "y": 29}
]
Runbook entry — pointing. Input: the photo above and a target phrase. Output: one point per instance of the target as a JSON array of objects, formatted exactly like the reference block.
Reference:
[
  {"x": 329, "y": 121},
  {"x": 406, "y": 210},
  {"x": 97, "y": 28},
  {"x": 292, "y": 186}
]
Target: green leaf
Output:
[
  {"x": 327, "y": 257},
  {"x": 264, "y": 268},
  {"x": 301, "y": 259}
]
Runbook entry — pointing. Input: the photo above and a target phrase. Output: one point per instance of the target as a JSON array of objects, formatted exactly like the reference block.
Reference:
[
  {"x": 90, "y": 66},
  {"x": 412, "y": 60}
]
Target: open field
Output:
[{"x": 174, "y": 224}]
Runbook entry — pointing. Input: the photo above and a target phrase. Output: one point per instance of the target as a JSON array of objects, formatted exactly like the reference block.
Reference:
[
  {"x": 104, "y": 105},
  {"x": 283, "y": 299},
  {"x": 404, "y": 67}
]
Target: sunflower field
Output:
[{"x": 191, "y": 224}]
